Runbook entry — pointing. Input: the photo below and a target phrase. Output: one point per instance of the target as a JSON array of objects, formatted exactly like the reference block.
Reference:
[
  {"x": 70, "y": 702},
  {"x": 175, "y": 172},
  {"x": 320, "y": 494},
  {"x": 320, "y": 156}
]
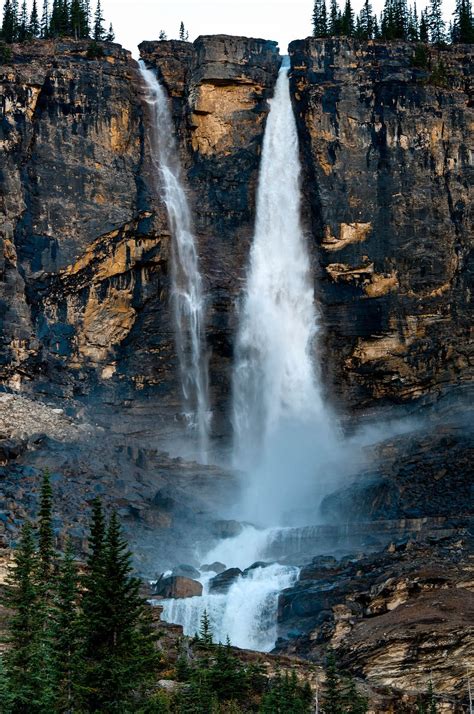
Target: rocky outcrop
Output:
[
  {"x": 384, "y": 144},
  {"x": 397, "y": 618},
  {"x": 177, "y": 586}
]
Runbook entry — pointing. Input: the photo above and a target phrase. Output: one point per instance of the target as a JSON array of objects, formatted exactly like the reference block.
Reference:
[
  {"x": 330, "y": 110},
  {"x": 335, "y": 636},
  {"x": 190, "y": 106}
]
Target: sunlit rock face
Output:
[
  {"x": 85, "y": 241},
  {"x": 386, "y": 160}
]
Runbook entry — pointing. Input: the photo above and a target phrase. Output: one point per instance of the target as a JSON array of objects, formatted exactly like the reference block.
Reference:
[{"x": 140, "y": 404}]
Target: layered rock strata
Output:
[{"x": 385, "y": 131}]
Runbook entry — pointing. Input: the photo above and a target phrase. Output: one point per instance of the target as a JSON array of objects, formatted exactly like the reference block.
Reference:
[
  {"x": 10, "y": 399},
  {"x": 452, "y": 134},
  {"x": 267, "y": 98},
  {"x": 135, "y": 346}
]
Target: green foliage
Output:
[
  {"x": 439, "y": 76},
  {"x": 285, "y": 694},
  {"x": 45, "y": 530},
  {"x": 421, "y": 57},
  {"x": 5, "y": 53},
  {"x": 340, "y": 695}
]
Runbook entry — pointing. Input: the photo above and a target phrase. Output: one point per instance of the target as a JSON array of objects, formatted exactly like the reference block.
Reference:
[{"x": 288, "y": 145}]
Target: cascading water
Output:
[
  {"x": 246, "y": 613},
  {"x": 283, "y": 436},
  {"x": 187, "y": 293}
]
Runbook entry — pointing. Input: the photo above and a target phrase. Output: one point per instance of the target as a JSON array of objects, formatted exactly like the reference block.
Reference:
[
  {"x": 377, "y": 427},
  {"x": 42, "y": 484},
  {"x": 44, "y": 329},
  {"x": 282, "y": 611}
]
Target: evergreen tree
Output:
[
  {"x": 6, "y": 693},
  {"x": 65, "y": 630},
  {"x": 333, "y": 697},
  {"x": 423, "y": 33},
  {"x": 23, "y": 29},
  {"x": 347, "y": 25},
  {"x": 320, "y": 20},
  {"x": 227, "y": 676},
  {"x": 463, "y": 26},
  {"x": 110, "y": 34},
  {"x": 45, "y": 531},
  {"x": 354, "y": 702},
  {"x": 183, "y": 33},
  {"x": 99, "y": 33},
  {"x": 10, "y": 21},
  {"x": 366, "y": 22},
  {"x": 45, "y": 20},
  {"x": 436, "y": 25},
  {"x": 34, "y": 26},
  {"x": 28, "y": 660},
  {"x": 334, "y": 19},
  {"x": 119, "y": 655},
  {"x": 77, "y": 20},
  {"x": 162, "y": 36}
]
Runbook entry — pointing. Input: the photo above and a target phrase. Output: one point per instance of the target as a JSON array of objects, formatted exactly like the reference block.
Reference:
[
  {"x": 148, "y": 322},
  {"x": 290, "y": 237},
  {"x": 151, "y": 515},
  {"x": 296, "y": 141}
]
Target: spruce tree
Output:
[
  {"x": 34, "y": 26},
  {"x": 333, "y": 699},
  {"x": 347, "y": 25},
  {"x": 334, "y": 19},
  {"x": 66, "y": 632},
  {"x": 183, "y": 33},
  {"x": 463, "y": 26},
  {"x": 10, "y": 21},
  {"x": 320, "y": 20},
  {"x": 110, "y": 34},
  {"x": 45, "y": 20},
  {"x": 28, "y": 661},
  {"x": 99, "y": 33},
  {"x": 162, "y": 35},
  {"x": 119, "y": 653},
  {"x": 45, "y": 531},
  {"x": 436, "y": 25},
  {"x": 423, "y": 32}
]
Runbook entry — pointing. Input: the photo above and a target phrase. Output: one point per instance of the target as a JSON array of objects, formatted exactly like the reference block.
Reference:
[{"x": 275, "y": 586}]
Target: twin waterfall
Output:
[
  {"x": 281, "y": 432},
  {"x": 187, "y": 295}
]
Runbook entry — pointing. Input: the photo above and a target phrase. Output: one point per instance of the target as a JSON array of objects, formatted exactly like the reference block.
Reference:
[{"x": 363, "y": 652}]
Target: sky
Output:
[{"x": 280, "y": 20}]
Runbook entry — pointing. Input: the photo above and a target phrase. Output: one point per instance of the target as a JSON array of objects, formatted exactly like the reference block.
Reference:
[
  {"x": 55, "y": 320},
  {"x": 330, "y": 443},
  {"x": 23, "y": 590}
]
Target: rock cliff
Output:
[{"x": 384, "y": 139}]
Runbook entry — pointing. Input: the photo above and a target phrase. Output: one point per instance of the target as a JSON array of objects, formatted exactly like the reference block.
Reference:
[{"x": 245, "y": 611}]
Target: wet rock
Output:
[
  {"x": 254, "y": 566},
  {"x": 227, "y": 529},
  {"x": 186, "y": 571},
  {"x": 223, "y": 581},
  {"x": 176, "y": 586},
  {"x": 215, "y": 567}
]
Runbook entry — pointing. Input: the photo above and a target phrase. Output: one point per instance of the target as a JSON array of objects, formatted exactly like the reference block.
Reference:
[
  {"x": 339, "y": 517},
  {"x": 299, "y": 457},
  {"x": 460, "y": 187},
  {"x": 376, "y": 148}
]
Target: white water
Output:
[
  {"x": 187, "y": 293},
  {"x": 246, "y": 613},
  {"x": 283, "y": 437}
]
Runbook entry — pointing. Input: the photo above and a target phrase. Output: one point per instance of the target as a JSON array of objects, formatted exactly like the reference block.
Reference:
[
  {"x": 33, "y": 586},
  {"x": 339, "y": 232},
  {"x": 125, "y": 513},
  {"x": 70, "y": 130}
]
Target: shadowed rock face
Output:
[{"x": 386, "y": 181}]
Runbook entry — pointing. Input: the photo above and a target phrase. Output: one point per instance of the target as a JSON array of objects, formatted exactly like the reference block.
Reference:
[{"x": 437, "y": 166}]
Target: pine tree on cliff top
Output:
[
  {"x": 10, "y": 21},
  {"x": 66, "y": 631},
  {"x": 99, "y": 32},
  {"x": 320, "y": 20},
  {"x": 34, "y": 26}
]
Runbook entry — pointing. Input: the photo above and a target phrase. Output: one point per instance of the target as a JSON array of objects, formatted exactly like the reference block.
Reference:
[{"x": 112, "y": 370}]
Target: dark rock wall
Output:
[{"x": 387, "y": 172}]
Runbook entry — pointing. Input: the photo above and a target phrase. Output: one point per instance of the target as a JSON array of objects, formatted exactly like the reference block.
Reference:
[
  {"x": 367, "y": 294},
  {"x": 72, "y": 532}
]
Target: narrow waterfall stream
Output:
[
  {"x": 187, "y": 293},
  {"x": 284, "y": 439}
]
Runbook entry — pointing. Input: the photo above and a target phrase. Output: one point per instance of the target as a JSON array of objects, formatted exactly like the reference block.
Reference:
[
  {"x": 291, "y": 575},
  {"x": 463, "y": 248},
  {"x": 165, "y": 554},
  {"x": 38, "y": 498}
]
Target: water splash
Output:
[
  {"x": 283, "y": 436},
  {"x": 246, "y": 613},
  {"x": 187, "y": 292}
]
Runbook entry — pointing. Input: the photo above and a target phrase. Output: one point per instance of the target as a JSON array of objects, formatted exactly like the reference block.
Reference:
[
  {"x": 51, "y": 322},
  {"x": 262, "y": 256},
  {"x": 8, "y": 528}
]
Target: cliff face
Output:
[
  {"x": 84, "y": 262},
  {"x": 220, "y": 86},
  {"x": 84, "y": 279},
  {"x": 387, "y": 170}
]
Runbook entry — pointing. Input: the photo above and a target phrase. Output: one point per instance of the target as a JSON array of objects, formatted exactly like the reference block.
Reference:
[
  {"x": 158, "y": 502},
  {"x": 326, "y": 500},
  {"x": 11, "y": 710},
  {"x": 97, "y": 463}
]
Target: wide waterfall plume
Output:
[
  {"x": 187, "y": 292},
  {"x": 278, "y": 410}
]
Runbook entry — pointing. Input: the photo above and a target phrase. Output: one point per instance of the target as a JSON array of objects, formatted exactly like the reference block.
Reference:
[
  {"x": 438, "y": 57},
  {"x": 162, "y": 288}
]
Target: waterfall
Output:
[
  {"x": 246, "y": 613},
  {"x": 282, "y": 431},
  {"x": 187, "y": 293}
]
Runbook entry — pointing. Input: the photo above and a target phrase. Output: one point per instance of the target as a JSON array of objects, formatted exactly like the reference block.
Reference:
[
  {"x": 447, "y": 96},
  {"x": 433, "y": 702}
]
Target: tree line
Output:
[
  {"x": 64, "y": 18},
  {"x": 397, "y": 21},
  {"x": 80, "y": 638}
]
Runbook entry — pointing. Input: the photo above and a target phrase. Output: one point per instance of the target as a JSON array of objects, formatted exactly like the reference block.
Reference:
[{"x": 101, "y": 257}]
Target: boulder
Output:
[
  {"x": 215, "y": 567},
  {"x": 227, "y": 529},
  {"x": 222, "y": 582},
  {"x": 176, "y": 586},
  {"x": 186, "y": 571}
]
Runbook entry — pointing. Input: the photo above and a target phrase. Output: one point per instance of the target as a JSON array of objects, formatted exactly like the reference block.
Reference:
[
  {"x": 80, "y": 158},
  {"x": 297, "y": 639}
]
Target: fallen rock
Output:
[
  {"x": 215, "y": 567},
  {"x": 177, "y": 586},
  {"x": 222, "y": 582},
  {"x": 186, "y": 571}
]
